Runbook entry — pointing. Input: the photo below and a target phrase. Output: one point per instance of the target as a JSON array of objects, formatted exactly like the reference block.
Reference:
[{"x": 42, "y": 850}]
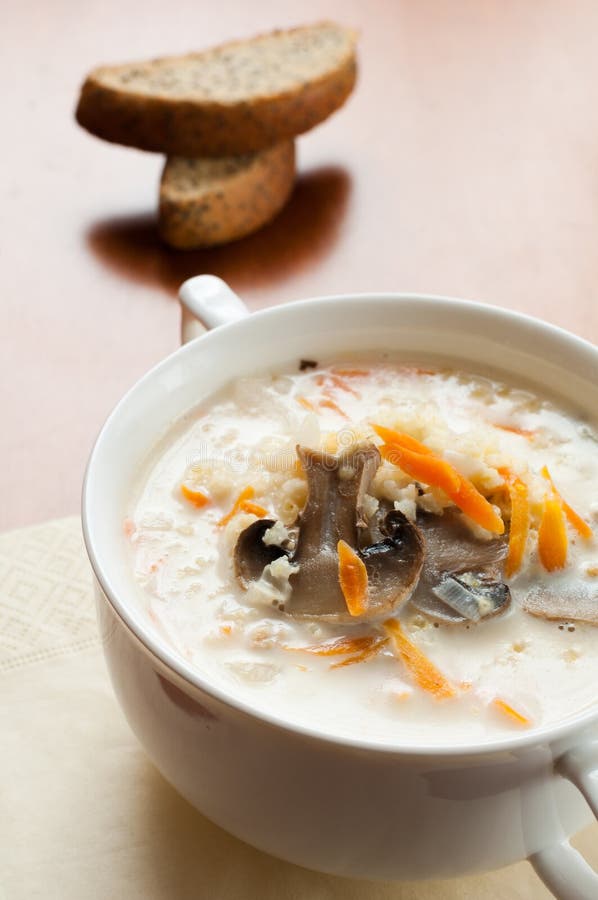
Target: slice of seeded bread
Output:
[
  {"x": 233, "y": 99},
  {"x": 212, "y": 201}
]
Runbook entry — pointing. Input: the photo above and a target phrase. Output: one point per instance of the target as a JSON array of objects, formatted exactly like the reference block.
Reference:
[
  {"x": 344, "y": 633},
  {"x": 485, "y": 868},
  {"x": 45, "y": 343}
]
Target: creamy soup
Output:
[{"x": 378, "y": 550}]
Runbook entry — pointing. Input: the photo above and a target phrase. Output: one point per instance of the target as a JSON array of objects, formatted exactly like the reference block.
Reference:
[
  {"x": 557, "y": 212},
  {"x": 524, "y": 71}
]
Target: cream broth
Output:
[{"x": 509, "y": 672}]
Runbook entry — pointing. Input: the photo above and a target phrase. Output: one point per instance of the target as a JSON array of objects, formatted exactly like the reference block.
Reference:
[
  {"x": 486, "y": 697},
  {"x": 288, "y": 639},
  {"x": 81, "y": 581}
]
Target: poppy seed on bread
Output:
[
  {"x": 210, "y": 201},
  {"x": 233, "y": 99}
]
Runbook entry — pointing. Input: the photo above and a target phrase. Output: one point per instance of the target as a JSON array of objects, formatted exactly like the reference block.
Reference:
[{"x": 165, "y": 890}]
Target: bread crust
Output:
[
  {"x": 188, "y": 127},
  {"x": 227, "y": 208}
]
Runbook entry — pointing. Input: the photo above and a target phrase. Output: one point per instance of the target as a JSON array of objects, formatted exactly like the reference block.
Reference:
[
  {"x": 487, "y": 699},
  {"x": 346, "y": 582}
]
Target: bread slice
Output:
[
  {"x": 233, "y": 99},
  {"x": 212, "y": 201}
]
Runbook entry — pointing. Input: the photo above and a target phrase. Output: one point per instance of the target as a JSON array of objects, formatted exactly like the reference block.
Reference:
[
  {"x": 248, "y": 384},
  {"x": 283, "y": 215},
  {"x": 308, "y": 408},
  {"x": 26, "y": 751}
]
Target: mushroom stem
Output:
[{"x": 336, "y": 486}]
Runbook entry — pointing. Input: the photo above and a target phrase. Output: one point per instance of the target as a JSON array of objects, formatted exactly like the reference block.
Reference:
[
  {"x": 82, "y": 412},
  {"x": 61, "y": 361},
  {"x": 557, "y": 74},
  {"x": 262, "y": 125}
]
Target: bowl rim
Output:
[{"x": 158, "y": 648}]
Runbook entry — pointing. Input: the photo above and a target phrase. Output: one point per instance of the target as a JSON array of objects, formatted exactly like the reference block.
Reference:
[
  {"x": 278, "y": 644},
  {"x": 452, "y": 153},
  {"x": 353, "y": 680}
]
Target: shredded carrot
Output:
[
  {"x": 508, "y": 710},
  {"x": 424, "y": 465},
  {"x": 198, "y": 498},
  {"x": 552, "y": 535},
  {"x": 475, "y": 505},
  {"x": 424, "y": 672},
  {"x": 246, "y": 494},
  {"x": 519, "y": 525},
  {"x": 305, "y": 403},
  {"x": 128, "y": 527},
  {"x": 341, "y": 646},
  {"x": 329, "y": 403},
  {"x": 374, "y": 648},
  {"x": 575, "y": 520},
  {"x": 392, "y": 437},
  {"x": 249, "y": 507},
  {"x": 522, "y": 432},
  {"x": 330, "y": 379},
  {"x": 339, "y": 382},
  {"x": 352, "y": 373},
  {"x": 427, "y": 468},
  {"x": 353, "y": 579},
  {"x": 417, "y": 370},
  {"x": 226, "y": 630}
]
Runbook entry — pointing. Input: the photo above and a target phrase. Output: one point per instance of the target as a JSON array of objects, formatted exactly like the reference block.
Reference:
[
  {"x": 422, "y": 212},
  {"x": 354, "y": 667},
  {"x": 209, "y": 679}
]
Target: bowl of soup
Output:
[{"x": 347, "y": 580}]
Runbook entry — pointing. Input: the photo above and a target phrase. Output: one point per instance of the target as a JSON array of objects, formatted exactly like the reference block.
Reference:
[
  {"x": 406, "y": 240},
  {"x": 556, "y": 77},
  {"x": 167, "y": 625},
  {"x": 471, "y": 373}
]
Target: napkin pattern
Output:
[{"x": 44, "y": 594}]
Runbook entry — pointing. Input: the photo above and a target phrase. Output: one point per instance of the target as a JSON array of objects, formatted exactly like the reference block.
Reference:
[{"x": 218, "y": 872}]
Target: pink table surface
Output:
[{"x": 466, "y": 163}]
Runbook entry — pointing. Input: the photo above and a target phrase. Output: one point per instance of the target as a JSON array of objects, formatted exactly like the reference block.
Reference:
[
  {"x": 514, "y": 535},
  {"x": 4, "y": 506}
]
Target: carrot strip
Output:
[
  {"x": 580, "y": 525},
  {"x": 334, "y": 379},
  {"x": 513, "y": 714},
  {"x": 353, "y": 579},
  {"x": 339, "y": 382},
  {"x": 424, "y": 672},
  {"x": 520, "y": 516},
  {"x": 428, "y": 469},
  {"x": 305, "y": 403},
  {"x": 254, "y": 508},
  {"x": 424, "y": 465},
  {"x": 475, "y": 505},
  {"x": 340, "y": 646},
  {"x": 552, "y": 535},
  {"x": 198, "y": 498},
  {"x": 373, "y": 650},
  {"x": 330, "y": 404},
  {"x": 246, "y": 494},
  {"x": 389, "y": 436},
  {"x": 522, "y": 432},
  {"x": 352, "y": 373}
]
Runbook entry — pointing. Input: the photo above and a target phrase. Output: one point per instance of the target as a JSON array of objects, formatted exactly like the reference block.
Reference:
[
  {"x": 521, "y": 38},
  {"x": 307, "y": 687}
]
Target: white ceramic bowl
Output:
[{"x": 342, "y": 806}]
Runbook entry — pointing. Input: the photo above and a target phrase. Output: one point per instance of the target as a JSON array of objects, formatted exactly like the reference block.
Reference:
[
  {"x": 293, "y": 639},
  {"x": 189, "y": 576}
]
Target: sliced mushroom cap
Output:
[
  {"x": 461, "y": 579},
  {"x": 392, "y": 544},
  {"x": 252, "y": 554},
  {"x": 575, "y": 603},
  {"x": 390, "y": 547}
]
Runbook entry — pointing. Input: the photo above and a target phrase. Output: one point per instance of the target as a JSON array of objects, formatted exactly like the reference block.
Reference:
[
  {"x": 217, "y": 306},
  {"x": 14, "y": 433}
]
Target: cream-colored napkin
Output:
[{"x": 83, "y": 814}]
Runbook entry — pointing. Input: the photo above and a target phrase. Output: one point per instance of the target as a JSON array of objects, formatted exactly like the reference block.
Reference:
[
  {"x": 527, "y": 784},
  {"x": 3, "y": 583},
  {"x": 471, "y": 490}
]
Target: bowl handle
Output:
[
  {"x": 210, "y": 300},
  {"x": 563, "y": 870}
]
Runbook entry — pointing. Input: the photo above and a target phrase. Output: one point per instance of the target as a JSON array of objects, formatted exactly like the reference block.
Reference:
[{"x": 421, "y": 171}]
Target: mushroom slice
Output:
[
  {"x": 395, "y": 545},
  {"x": 472, "y": 598},
  {"x": 576, "y": 603},
  {"x": 252, "y": 554},
  {"x": 389, "y": 545},
  {"x": 461, "y": 578}
]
